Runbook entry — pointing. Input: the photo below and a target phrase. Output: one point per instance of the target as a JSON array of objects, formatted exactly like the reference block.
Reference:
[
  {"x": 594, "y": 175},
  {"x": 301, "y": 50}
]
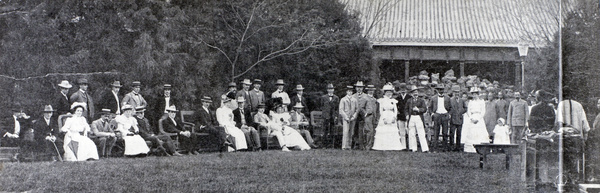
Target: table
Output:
[{"x": 486, "y": 148}]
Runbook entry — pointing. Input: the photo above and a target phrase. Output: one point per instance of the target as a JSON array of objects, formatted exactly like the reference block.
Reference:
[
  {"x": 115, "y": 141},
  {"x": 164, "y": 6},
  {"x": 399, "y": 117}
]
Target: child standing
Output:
[{"x": 501, "y": 132}]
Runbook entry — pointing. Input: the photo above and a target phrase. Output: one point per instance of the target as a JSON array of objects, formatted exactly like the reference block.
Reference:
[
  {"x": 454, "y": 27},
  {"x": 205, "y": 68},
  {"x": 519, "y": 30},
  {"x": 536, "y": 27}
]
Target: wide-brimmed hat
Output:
[
  {"x": 126, "y": 107},
  {"x": 232, "y": 84},
  {"x": 388, "y": 87},
  {"x": 65, "y": 84},
  {"x": 330, "y": 86},
  {"x": 136, "y": 83},
  {"x": 104, "y": 112},
  {"x": 48, "y": 109},
  {"x": 413, "y": 88},
  {"x": 140, "y": 109},
  {"x": 246, "y": 82},
  {"x": 279, "y": 82},
  {"x": 257, "y": 81},
  {"x": 241, "y": 99},
  {"x": 359, "y": 84},
  {"x": 78, "y": 104},
  {"x": 82, "y": 81},
  {"x": 206, "y": 99},
  {"x": 167, "y": 87},
  {"x": 299, "y": 87},
  {"x": 116, "y": 83},
  {"x": 171, "y": 108},
  {"x": 298, "y": 106}
]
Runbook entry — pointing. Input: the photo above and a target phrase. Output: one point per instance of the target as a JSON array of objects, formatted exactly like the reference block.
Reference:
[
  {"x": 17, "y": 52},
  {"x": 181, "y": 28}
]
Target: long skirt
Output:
[
  {"x": 79, "y": 148},
  {"x": 135, "y": 145},
  {"x": 239, "y": 139}
]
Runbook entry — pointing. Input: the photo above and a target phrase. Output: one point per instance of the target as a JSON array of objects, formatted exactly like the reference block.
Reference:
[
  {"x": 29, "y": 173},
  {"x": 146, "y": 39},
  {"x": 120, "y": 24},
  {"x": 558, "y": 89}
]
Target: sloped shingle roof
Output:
[{"x": 494, "y": 23}]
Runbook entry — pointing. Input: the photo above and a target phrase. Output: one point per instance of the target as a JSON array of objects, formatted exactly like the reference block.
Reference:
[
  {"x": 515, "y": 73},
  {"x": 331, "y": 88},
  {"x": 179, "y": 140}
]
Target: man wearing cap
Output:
[
  {"x": 245, "y": 93},
  {"x": 415, "y": 108},
  {"x": 134, "y": 98},
  {"x": 112, "y": 99},
  {"x": 61, "y": 101},
  {"x": 403, "y": 98},
  {"x": 256, "y": 96},
  {"x": 439, "y": 107},
  {"x": 83, "y": 96},
  {"x": 163, "y": 143},
  {"x": 458, "y": 107},
  {"x": 45, "y": 133},
  {"x": 367, "y": 132},
  {"x": 105, "y": 137},
  {"x": 518, "y": 114},
  {"x": 206, "y": 120},
  {"x": 299, "y": 98},
  {"x": 243, "y": 120},
  {"x": 187, "y": 139},
  {"x": 361, "y": 107},
  {"x": 348, "y": 111},
  {"x": 329, "y": 104},
  {"x": 279, "y": 93},
  {"x": 299, "y": 122}
]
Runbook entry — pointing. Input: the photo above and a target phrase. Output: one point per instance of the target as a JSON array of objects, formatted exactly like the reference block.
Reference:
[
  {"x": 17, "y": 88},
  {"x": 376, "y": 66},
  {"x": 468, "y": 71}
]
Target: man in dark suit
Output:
[
  {"x": 416, "y": 107},
  {"x": 457, "y": 108},
  {"x": 243, "y": 120},
  {"x": 439, "y": 107},
  {"x": 187, "y": 139},
  {"x": 45, "y": 133},
  {"x": 112, "y": 99},
  {"x": 162, "y": 103},
  {"x": 61, "y": 101},
  {"x": 206, "y": 120},
  {"x": 299, "y": 98},
  {"x": 83, "y": 95},
  {"x": 245, "y": 93},
  {"x": 162, "y": 142},
  {"x": 403, "y": 98},
  {"x": 330, "y": 111}
]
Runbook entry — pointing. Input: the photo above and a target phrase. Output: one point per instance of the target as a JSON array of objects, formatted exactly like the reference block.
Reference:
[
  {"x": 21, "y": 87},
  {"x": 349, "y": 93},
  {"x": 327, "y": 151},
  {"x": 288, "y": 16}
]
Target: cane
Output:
[{"x": 57, "y": 152}]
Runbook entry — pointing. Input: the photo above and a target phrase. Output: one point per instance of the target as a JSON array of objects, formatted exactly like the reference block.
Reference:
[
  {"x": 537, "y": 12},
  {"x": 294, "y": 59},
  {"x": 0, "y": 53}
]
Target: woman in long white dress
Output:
[
  {"x": 225, "y": 118},
  {"x": 280, "y": 123},
  {"x": 386, "y": 133},
  {"x": 474, "y": 129},
  {"x": 127, "y": 125},
  {"x": 78, "y": 147}
]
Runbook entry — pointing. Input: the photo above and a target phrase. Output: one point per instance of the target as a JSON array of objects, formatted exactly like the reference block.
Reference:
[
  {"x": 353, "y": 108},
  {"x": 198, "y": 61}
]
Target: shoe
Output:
[
  {"x": 285, "y": 149},
  {"x": 314, "y": 146},
  {"x": 195, "y": 152},
  {"x": 177, "y": 154}
]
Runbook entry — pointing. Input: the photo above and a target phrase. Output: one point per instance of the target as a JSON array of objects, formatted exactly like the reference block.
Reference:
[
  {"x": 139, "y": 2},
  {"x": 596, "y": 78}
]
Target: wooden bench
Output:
[
  {"x": 484, "y": 149},
  {"x": 9, "y": 154}
]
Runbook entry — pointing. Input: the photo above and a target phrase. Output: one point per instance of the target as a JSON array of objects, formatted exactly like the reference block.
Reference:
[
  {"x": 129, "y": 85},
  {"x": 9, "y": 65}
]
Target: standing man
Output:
[
  {"x": 366, "y": 135},
  {"x": 134, "y": 98},
  {"x": 245, "y": 93},
  {"x": 256, "y": 96},
  {"x": 457, "y": 108},
  {"x": 329, "y": 108},
  {"x": 206, "y": 120},
  {"x": 62, "y": 104},
  {"x": 501, "y": 106},
  {"x": 112, "y": 99},
  {"x": 361, "y": 103},
  {"x": 231, "y": 88},
  {"x": 279, "y": 93},
  {"x": 105, "y": 135},
  {"x": 83, "y": 95},
  {"x": 403, "y": 98},
  {"x": 518, "y": 114},
  {"x": 162, "y": 103},
  {"x": 244, "y": 120},
  {"x": 439, "y": 107},
  {"x": 416, "y": 107},
  {"x": 299, "y": 98},
  {"x": 348, "y": 111}
]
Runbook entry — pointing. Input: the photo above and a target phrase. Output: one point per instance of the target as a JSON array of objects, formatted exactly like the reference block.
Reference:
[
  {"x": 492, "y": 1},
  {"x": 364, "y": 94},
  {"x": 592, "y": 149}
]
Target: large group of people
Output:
[{"x": 417, "y": 115}]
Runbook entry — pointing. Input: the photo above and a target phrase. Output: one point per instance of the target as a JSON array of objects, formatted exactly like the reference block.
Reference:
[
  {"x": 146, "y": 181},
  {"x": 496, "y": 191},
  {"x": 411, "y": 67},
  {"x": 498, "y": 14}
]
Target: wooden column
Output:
[
  {"x": 518, "y": 75},
  {"x": 406, "y": 70},
  {"x": 462, "y": 69}
]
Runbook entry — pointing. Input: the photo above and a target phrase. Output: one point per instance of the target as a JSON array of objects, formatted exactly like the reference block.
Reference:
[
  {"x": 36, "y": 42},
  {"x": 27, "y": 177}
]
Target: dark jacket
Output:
[
  {"x": 170, "y": 127},
  {"x": 86, "y": 97},
  {"x": 204, "y": 118},
  {"x": 295, "y": 99},
  {"x": 434, "y": 105},
  {"x": 238, "y": 118},
  {"x": 159, "y": 106},
  {"x": 145, "y": 130},
  {"x": 402, "y": 106},
  {"x": 541, "y": 118},
  {"x": 109, "y": 101},
  {"x": 419, "y": 103},
  {"x": 457, "y": 109},
  {"x": 329, "y": 108},
  {"x": 62, "y": 104},
  {"x": 41, "y": 129}
]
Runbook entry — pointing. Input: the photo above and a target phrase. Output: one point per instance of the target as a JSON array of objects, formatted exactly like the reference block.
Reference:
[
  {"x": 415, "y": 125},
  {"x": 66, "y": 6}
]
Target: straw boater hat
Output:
[
  {"x": 82, "y": 81},
  {"x": 136, "y": 83},
  {"x": 330, "y": 86},
  {"x": 298, "y": 106},
  {"x": 126, "y": 107},
  {"x": 241, "y": 99},
  {"x": 246, "y": 82},
  {"x": 299, "y": 87},
  {"x": 48, "y": 109},
  {"x": 257, "y": 81},
  {"x": 474, "y": 89},
  {"x": 79, "y": 104},
  {"x": 172, "y": 108},
  {"x": 104, "y": 111},
  {"x": 232, "y": 84},
  {"x": 116, "y": 83},
  {"x": 388, "y": 87},
  {"x": 65, "y": 84},
  {"x": 140, "y": 109},
  {"x": 261, "y": 105},
  {"x": 206, "y": 99},
  {"x": 279, "y": 82},
  {"x": 359, "y": 84},
  {"x": 167, "y": 87},
  {"x": 349, "y": 88},
  {"x": 370, "y": 87}
]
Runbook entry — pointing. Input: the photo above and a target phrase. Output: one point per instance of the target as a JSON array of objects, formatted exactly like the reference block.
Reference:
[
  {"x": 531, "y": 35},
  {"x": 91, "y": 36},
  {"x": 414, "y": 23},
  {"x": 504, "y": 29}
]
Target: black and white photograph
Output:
[{"x": 300, "y": 96}]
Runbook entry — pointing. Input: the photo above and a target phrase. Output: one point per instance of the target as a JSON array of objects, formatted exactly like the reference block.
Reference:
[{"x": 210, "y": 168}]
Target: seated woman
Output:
[
  {"x": 263, "y": 120},
  {"x": 128, "y": 127},
  {"x": 280, "y": 126},
  {"x": 78, "y": 147},
  {"x": 225, "y": 119}
]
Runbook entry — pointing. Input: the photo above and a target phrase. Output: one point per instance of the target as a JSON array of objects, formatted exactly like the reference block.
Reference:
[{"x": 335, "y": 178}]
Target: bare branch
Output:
[
  {"x": 57, "y": 74},
  {"x": 217, "y": 48}
]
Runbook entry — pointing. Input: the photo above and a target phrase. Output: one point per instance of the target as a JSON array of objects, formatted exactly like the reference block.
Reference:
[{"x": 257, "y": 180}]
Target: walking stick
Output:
[{"x": 57, "y": 152}]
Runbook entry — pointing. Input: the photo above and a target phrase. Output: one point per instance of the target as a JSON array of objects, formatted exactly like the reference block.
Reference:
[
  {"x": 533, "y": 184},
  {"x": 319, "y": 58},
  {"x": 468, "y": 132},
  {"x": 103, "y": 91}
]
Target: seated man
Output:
[
  {"x": 187, "y": 139},
  {"x": 243, "y": 120},
  {"x": 206, "y": 120},
  {"x": 163, "y": 143},
  {"x": 10, "y": 134},
  {"x": 300, "y": 123},
  {"x": 262, "y": 120},
  {"x": 104, "y": 136},
  {"x": 46, "y": 135}
]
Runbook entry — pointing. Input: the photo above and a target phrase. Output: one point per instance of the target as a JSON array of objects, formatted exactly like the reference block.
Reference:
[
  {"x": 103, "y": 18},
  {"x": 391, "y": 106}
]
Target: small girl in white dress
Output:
[{"x": 501, "y": 132}]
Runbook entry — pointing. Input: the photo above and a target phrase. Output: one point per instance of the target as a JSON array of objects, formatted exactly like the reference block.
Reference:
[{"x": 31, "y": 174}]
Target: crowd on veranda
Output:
[{"x": 409, "y": 116}]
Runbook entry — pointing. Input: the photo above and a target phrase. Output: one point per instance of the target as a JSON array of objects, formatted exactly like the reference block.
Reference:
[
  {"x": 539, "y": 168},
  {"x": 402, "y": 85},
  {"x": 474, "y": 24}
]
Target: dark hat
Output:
[
  {"x": 167, "y": 87},
  {"x": 257, "y": 81},
  {"x": 231, "y": 95},
  {"x": 206, "y": 99},
  {"x": 140, "y": 109},
  {"x": 359, "y": 84},
  {"x": 232, "y": 84},
  {"x": 82, "y": 81},
  {"x": 261, "y": 105},
  {"x": 116, "y": 83},
  {"x": 136, "y": 83},
  {"x": 330, "y": 86},
  {"x": 440, "y": 87},
  {"x": 48, "y": 109},
  {"x": 402, "y": 86},
  {"x": 299, "y": 87}
]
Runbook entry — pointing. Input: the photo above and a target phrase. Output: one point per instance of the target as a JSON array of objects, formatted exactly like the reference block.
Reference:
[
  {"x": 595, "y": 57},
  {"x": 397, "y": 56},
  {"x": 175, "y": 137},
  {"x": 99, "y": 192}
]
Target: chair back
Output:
[
  {"x": 187, "y": 116},
  {"x": 61, "y": 120},
  {"x": 316, "y": 118}
]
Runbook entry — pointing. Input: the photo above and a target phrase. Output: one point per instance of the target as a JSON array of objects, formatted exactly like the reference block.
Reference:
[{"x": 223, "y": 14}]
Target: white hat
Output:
[
  {"x": 65, "y": 84},
  {"x": 79, "y": 104},
  {"x": 298, "y": 105},
  {"x": 241, "y": 99},
  {"x": 172, "y": 108},
  {"x": 388, "y": 86}
]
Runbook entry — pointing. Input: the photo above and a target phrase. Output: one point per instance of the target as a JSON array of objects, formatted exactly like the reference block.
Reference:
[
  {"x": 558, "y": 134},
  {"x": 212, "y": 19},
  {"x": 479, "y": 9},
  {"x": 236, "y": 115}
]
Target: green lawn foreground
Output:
[{"x": 322, "y": 170}]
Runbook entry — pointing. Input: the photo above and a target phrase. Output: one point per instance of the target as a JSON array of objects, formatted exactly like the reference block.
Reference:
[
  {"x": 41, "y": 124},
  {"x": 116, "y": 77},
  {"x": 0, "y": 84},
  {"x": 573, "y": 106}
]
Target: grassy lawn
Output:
[{"x": 323, "y": 170}]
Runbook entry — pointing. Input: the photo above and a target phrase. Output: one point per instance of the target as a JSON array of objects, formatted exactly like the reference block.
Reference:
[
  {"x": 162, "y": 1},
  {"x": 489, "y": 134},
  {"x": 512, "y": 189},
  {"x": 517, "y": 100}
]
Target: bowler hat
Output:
[
  {"x": 48, "y": 109},
  {"x": 279, "y": 82},
  {"x": 299, "y": 87},
  {"x": 65, "y": 84},
  {"x": 359, "y": 84},
  {"x": 232, "y": 84},
  {"x": 82, "y": 81},
  {"x": 330, "y": 86},
  {"x": 116, "y": 83}
]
